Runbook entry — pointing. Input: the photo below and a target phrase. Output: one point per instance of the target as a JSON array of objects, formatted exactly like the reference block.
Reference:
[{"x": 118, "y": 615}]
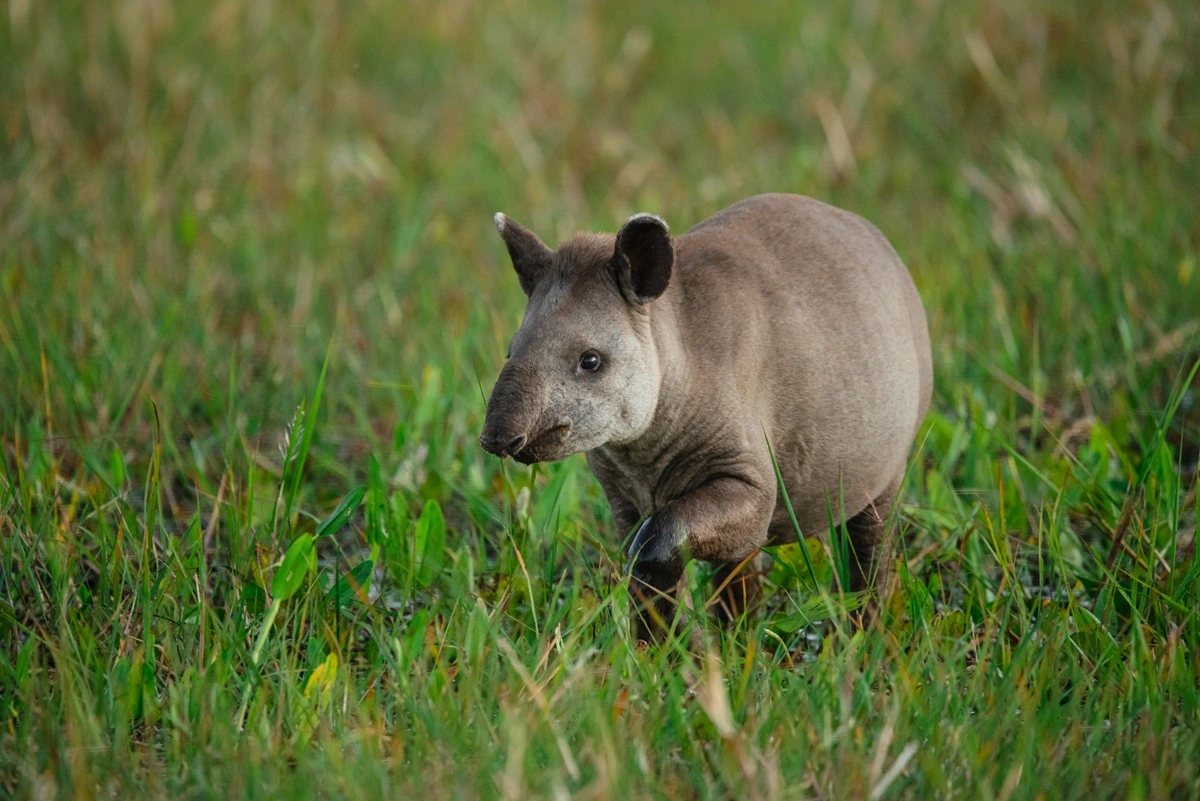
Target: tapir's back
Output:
[{"x": 805, "y": 313}]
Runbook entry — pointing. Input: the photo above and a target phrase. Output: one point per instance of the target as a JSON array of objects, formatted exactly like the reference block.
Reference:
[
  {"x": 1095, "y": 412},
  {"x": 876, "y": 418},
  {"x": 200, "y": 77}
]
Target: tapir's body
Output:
[{"x": 784, "y": 321}]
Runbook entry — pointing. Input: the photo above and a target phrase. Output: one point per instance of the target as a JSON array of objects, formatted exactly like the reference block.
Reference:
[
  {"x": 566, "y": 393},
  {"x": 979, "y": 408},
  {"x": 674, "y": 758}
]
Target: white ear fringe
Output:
[
  {"x": 647, "y": 216},
  {"x": 501, "y": 222}
]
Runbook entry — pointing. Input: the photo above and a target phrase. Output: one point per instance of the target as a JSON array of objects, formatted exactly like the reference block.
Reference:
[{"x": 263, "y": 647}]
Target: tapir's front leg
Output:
[{"x": 722, "y": 520}]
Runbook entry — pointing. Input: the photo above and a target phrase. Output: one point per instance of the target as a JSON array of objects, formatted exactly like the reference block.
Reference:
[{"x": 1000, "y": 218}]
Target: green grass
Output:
[{"x": 247, "y": 265}]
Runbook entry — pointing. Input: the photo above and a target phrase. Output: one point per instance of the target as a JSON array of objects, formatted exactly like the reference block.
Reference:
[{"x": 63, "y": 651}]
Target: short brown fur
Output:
[{"x": 779, "y": 319}]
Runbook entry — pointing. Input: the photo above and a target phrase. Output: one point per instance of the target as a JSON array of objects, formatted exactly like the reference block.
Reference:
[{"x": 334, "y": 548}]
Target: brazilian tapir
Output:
[{"x": 674, "y": 361}]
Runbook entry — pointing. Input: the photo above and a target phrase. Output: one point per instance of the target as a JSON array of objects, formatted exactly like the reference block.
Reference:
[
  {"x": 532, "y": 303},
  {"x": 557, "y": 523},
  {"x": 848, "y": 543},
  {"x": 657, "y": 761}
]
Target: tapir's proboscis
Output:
[{"x": 780, "y": 326}]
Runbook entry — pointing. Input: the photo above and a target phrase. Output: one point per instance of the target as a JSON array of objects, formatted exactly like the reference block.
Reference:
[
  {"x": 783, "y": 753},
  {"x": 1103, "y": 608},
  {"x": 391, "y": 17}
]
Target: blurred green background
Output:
[
  {"x": 200, "y": 203},
  {"x": 190, "y": 186}
]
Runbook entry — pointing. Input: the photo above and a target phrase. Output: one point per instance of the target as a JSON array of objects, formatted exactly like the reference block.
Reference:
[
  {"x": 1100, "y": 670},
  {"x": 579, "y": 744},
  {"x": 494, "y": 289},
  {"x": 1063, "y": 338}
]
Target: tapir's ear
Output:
[
  {"x": 643, "y": 258},
  {"x": 530, "y": 257}
]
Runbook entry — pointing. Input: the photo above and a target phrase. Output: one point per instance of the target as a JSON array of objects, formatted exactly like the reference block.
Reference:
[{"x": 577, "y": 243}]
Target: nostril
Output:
[
  {"x": 502, "y": 444},
  {"x": 491, "y": 444}
]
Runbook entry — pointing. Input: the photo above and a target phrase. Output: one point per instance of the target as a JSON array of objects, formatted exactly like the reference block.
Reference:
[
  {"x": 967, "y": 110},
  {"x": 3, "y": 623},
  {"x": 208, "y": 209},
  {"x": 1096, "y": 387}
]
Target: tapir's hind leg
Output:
[{"x": 870, "y": 545}]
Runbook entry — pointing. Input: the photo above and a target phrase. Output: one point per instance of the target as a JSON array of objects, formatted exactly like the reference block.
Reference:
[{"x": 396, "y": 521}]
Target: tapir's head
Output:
[{"x": 582, "y": 370}]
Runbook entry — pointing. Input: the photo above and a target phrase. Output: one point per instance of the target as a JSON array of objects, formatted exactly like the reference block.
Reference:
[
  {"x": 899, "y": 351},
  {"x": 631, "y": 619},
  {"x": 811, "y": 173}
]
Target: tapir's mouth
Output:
[{"x": 546, "y": 446}]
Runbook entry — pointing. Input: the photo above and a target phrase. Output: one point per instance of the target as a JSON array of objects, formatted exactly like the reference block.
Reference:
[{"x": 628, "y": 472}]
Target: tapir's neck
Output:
[
  {"x": 674, "y": 366},
  {"x": 672, "y": 427}
]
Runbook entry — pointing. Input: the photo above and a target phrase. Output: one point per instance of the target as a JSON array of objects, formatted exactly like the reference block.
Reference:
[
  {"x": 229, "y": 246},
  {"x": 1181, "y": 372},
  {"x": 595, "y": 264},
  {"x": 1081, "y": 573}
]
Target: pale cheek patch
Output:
[{"x": 637, "y": 406}]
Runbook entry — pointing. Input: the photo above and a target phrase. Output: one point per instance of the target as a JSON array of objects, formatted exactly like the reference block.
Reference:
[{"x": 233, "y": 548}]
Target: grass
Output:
[{"x": 247, "y": 267}]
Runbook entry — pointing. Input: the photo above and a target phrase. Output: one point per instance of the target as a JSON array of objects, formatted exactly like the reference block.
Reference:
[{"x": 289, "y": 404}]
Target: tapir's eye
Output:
[{"x": 589, "y": 362}]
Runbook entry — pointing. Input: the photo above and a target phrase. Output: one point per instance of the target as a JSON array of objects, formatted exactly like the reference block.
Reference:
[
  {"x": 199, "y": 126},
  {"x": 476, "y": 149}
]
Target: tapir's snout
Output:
[
  {"x": 513, "y": 410},
  {"x": 501, "y": 443}
]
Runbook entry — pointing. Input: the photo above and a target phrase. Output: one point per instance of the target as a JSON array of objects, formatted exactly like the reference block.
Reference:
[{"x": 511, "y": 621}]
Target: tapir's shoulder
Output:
[
  {"x": 781, "y": 234},
  {"x": 779, "y": 216}
]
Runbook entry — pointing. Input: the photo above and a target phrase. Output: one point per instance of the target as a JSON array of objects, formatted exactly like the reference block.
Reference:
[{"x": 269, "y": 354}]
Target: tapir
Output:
[{"x": 779, "y": 331}]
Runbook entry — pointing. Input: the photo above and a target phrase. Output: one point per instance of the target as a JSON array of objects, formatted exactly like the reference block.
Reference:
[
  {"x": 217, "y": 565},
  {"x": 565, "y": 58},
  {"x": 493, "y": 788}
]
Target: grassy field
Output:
[{"x": 251, "y": 303}]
